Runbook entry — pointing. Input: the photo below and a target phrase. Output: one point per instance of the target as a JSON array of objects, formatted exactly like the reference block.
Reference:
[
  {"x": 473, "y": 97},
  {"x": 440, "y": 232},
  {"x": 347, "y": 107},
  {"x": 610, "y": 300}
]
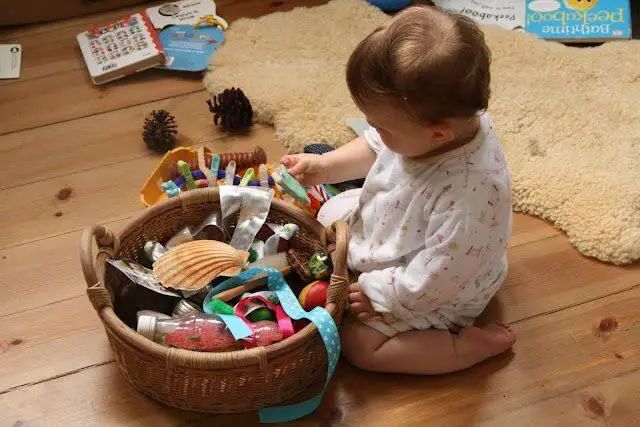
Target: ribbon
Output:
[
  {"x": 284, "y": 321},
  {"x": 319, "y": 316}
]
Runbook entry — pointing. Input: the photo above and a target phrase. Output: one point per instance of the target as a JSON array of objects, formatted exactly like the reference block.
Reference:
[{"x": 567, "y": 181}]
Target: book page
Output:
[{"x": 508, "y": 14}]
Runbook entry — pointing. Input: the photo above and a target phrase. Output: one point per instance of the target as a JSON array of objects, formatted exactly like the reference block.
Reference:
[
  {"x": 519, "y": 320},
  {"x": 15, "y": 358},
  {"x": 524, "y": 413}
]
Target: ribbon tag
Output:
[
  {"x": 319, "y": 316},
  {"x": 285, "y": 232},
  {"x": 253, "y": 203}
]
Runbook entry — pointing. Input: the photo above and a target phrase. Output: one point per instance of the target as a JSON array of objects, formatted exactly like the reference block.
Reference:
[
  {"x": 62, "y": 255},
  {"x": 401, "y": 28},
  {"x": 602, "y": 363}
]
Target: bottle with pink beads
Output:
[{"x": 204, "y": 332}]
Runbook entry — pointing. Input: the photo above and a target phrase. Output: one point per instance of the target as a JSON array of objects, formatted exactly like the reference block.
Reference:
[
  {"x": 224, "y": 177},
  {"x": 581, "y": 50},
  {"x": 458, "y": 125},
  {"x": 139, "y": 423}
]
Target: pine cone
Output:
[
  {"x": 232, "y": 109},
  {"x": 160, "y": 131}
]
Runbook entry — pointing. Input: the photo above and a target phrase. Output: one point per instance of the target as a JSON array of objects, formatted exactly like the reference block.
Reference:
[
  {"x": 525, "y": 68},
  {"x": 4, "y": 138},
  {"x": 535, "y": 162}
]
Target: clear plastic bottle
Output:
[{"x": 198, "y": 332}]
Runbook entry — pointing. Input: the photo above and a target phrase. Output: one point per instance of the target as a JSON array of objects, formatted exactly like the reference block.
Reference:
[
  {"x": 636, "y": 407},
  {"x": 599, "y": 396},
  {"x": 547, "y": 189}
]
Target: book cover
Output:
[
  {"x": 507, "y": 14},
  {"x": 187, "y": 48},
  {"x": 188, "y": 40},
  {"x": 581, "y": 21},
  {"x": 127, "y": 46}
]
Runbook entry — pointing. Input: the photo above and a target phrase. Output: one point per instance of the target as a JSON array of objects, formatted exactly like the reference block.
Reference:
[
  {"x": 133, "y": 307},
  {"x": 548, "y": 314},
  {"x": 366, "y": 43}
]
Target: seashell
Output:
[{"x": 192, "y": 265}]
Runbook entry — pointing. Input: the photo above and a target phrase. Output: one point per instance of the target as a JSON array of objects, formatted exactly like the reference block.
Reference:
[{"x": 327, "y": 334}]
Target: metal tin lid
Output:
[
  {"x": 146, "y": 326},
  {"x": 153, "y": 313},
  {"x": 185, "y": 307}
]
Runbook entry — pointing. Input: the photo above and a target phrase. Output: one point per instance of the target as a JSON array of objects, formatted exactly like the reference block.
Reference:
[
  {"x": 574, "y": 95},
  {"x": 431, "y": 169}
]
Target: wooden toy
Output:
[
  {"x": 314, "y": 295},
  {"x": 244, "y": 159}
]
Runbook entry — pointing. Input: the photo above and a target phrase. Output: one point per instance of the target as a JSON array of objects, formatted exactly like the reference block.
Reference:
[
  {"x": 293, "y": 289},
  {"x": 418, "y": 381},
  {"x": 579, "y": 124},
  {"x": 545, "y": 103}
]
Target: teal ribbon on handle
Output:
[{"x": 319, "y": 316}]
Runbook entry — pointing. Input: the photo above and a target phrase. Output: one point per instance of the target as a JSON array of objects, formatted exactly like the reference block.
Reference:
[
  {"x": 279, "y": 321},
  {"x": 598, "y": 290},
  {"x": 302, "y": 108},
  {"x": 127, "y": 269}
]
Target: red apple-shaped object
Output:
[{"x": 314, "y": 295}]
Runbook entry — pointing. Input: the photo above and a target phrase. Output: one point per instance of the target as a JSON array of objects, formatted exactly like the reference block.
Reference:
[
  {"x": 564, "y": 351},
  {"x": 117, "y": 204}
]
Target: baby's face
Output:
[{"x": 400, "y": 133}]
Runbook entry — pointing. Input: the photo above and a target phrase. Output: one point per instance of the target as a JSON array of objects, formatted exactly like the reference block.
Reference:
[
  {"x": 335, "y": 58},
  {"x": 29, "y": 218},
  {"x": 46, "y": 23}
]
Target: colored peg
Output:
[
  {"x": 186, "y": 173},
  {"x": 170, "y": 188},
  {"x": 247, "y": 176},
  {"x": 230, "y": 173},
  {"x": 215, "y": 165},
  {"x": 264, "y": 176}
]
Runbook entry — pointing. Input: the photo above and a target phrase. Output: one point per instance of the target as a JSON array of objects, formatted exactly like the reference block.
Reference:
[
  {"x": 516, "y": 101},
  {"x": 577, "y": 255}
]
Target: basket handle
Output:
[
  {"x": 107, "y": 247},
  {"x": 337, "y": 246}
]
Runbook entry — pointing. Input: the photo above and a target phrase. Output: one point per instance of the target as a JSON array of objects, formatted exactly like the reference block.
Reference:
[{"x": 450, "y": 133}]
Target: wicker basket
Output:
[{"x": 247, "y": 380}]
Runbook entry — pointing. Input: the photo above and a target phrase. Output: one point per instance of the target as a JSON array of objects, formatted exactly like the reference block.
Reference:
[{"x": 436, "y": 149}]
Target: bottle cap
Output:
[
  {"x": 152, "y": 313},
  {"x": 147, "y": 326},
  {"x": 185, "y": 307}
]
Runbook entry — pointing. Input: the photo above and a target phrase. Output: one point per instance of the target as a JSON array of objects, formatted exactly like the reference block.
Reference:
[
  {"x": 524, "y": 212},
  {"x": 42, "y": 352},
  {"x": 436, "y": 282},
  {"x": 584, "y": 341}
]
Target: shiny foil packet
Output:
[{"x": 253, "y": 203}]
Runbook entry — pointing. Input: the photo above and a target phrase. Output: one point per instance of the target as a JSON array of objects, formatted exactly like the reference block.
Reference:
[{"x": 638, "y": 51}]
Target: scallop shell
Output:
[{"x": 192, "y": 265}]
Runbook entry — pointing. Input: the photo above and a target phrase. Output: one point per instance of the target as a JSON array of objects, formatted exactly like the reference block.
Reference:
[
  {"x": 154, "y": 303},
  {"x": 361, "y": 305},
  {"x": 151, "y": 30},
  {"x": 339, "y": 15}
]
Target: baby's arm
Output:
[{"x": 351, "y": 161}]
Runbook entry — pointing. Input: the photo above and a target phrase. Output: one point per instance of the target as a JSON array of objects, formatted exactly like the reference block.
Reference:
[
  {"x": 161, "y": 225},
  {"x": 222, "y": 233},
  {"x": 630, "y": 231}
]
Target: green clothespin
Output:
[{"x": 186, "y": 173}]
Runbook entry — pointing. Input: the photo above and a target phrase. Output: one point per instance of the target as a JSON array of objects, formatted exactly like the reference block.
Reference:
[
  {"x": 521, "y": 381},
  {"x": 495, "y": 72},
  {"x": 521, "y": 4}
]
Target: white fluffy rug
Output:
[{"x": 569, "y": 118}]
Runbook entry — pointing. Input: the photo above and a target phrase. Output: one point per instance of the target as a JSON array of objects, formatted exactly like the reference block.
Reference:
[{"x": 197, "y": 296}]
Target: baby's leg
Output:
[{"x": 427, "y": 352}]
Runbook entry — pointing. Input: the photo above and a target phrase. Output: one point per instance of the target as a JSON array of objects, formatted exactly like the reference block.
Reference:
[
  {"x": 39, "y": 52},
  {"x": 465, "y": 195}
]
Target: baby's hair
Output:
[{"x": 433, "y": 64}]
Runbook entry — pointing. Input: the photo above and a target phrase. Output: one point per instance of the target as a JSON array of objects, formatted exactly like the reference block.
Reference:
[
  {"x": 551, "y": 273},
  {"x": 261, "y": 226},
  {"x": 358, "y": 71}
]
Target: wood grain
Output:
[
  {"x": 554, "y": 291},
  {"x": 106, "y": 139},
  {"x": 548, "y": 275},
  {"x": 58, "y": 131},
  {"x": 228, "y": 9},
  {"x": 99, "y": 396},
  {"x": 43, "y": 273},
  {"x": 555, "y": 354},
  {"x": 611, "y": 403},
  {"x": 57, "y": 88},
  {"x": 51, "y": 341},
  {"x": 548, "y": 361},
  {"x": 101, "y": 194},
  {"x": 70, "y": 95}
]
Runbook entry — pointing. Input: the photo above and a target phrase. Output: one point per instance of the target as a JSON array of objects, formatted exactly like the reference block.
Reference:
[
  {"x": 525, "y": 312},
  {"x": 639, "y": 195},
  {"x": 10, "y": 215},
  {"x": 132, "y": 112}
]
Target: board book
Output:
[
  {"x": 125, "y": 47},
  {"x": 579, "y": 21}
]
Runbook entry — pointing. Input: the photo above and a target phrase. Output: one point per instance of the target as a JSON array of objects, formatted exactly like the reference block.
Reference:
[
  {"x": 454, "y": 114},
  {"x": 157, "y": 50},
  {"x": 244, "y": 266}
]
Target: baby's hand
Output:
[
  {"x": 359, "y": 304},
  {"x": 308, "y": 169}
]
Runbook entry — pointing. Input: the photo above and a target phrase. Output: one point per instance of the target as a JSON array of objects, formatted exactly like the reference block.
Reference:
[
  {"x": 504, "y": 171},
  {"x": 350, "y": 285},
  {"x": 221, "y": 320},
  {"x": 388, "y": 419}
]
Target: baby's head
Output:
[{"x": 420, "y": 78}]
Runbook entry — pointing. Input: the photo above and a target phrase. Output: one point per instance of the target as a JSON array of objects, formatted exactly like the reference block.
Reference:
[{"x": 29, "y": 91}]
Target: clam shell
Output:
[{"x": 192, "y": 265}]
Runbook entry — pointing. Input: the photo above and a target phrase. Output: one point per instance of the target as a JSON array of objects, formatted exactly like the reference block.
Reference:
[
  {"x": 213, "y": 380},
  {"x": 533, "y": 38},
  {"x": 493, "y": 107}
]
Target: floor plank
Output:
[
  {"x": 51, "y": 341},
  {"x": 228, "y": 9},
  {"x": 56, "y": 87},
  {"x": 55, "y": 362},
  {"x": 549, "y": 274},
  {"x": 611, "y": 403},
  {"x": 43, "y": 273},
  {"x": 101, "y": 194},
  {"x": 70, "y": 95},
  {"x": 527, "y": 229},
  {"x": 555, "y": 291},
  {"x": 555, "y": 355},
  {"x": 106, "y": 399},
  {"x": 94, "y": 141}
]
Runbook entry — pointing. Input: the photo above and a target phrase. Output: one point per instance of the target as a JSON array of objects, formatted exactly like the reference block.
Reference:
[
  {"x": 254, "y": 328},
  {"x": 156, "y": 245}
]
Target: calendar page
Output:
[{"x": 121, "y": 48}]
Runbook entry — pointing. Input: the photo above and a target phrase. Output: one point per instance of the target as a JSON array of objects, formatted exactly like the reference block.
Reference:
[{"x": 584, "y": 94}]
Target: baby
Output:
[{"x": 431, "y": 225}]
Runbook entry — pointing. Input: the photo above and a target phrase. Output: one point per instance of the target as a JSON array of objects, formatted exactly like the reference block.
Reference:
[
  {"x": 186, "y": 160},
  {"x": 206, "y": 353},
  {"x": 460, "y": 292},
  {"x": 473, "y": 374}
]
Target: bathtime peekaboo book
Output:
[{"x": 579, "y": 21}]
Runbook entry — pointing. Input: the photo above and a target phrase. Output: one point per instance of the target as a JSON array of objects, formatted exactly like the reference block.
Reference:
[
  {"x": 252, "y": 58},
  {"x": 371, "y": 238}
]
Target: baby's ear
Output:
[{"x": 442, "y": 133}]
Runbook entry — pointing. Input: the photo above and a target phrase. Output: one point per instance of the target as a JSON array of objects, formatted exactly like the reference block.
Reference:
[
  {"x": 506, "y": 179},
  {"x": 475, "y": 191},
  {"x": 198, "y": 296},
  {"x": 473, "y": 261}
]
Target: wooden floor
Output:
[{"x": 576, "y": 362}]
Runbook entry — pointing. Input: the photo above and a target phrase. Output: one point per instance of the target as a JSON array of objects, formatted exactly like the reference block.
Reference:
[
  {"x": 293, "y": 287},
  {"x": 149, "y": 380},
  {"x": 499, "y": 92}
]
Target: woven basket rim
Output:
[{"x": 209, "y": 360}]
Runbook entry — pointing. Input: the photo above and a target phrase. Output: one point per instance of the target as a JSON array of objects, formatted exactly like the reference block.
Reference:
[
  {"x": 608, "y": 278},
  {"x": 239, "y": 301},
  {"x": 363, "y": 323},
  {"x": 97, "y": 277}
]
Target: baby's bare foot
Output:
[{"x": 478, "y": 344}]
